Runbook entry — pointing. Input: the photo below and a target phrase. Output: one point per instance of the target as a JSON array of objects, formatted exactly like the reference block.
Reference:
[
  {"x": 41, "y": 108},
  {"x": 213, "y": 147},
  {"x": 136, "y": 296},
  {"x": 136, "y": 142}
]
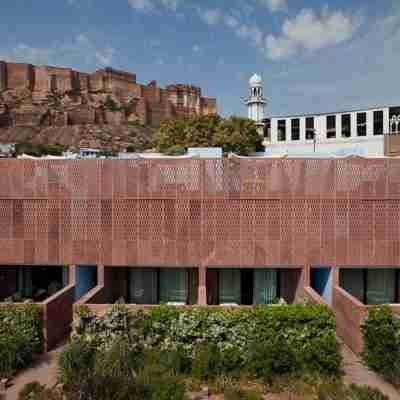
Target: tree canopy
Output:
[{"x": 234, "y": 134}]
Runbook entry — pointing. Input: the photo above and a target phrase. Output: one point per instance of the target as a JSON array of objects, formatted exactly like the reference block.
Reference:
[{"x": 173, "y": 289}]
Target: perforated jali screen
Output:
[{"x": 241, "y": 212}]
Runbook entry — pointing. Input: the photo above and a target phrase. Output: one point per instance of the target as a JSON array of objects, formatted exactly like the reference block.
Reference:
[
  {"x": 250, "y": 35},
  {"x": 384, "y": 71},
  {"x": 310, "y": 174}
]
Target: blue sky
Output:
[{"x": 314, "y": 55}]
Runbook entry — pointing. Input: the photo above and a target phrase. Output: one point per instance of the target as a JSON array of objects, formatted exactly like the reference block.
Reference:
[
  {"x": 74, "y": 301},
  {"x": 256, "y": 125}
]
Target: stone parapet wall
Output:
[{"x": 200, "y": 212}]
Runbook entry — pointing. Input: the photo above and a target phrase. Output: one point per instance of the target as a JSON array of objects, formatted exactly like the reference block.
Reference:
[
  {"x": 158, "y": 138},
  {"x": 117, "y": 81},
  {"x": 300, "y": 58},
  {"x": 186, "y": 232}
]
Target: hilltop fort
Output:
[{"x": 34, "y": 100}]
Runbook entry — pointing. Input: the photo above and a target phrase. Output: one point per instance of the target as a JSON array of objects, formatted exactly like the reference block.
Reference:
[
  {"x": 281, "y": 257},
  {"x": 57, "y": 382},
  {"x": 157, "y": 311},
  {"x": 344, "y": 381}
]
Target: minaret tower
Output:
[{"x": 256, "y": 102}]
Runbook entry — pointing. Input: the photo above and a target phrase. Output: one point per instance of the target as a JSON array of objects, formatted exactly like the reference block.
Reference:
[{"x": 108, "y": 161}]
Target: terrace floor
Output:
[
  {"x": 43, "y": 371},
  {"x": 356, "y": 372}
]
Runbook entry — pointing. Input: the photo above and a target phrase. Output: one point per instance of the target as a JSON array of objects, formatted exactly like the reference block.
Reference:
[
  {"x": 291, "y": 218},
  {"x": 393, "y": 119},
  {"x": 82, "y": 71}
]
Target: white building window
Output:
[
  {"x": 362, "y": 124},
  {"x": 295, "y": 129},
  {"x": 282, "y": 130},
  {"x": 309, "y": 128},
  {"x": 346, "y": 125},
  {"x": 378, "y": 122},
  {"x": 331, "y": 126}
]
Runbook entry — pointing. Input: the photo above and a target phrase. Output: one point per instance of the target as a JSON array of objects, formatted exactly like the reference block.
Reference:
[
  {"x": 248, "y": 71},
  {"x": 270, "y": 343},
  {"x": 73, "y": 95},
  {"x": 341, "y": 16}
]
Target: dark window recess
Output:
[
  {"x": 295, "y": 129},
  {"x": 309, "y": 128},
  {"x": 362, "y": 124},
  {"x": 282, "y": 130},
  {"x": 331, "y": 126},
  {"x": 394, "y": 112},
  {"x": 346, "y": 125},
  {"x": 378, "y": 122},
  {"x": 267, "y": 128}
]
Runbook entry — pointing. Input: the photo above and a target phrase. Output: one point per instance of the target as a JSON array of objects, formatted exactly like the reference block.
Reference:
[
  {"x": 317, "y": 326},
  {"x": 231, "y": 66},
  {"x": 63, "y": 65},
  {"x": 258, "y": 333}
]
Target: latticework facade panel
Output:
[{"x": 220, "y": 212}]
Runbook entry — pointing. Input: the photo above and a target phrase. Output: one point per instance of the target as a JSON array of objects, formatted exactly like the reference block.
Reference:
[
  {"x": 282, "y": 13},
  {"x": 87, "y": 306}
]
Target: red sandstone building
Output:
[{"x": 202, "y": 231}]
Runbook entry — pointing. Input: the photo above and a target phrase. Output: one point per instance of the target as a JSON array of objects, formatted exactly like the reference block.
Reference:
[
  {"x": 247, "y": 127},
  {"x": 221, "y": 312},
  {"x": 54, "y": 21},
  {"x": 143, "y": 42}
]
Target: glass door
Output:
[
  {"x": 229, "y": 286},
  {"x": 143, "y": 286},
  {"x": 173, "y": 285},
  {"x": 265, "y": 286}
]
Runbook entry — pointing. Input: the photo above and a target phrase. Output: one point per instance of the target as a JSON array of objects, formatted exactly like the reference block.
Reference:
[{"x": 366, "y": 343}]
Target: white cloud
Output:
[
  {"x": 34, "y": 55},
  {"x": 142, "y": 5},
  {"x": 170, "y": 4},
  {"x": 309, "y": 31},
  {"x": 274, "y": 5},
  {"x": 210, "y": 17},
  {"x": 154, "y": 6},
  {"x": 196, "y": 48},
  {"x": 231, "y": 21},
  {"x": 251, "y": 33},
  {"x": 80, "y": 50},
  {"x": 105, "y": 56}
]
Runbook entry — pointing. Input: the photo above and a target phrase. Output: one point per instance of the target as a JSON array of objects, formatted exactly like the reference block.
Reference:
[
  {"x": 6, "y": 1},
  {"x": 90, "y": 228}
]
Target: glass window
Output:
[
  {"x": 173, "y": 285},
  {"x": 381, "y": 286},
  {"x": 346, "y": 125},
  {"x": 229, "y": 286},
  {"x": 331, "y": 126},
  {"x": 265, "y": 286},
  {"x": 295, "y": 129},
  {"x": 378, "y": 122},
  {"x": 282, "y": 130},
  {"x": 362, "y": 124},
  {"x": 370, "y": 286},
  {"x": 267, "y": 129},
  {"x": 309, "y": 128},
  {"x": 352, "y": 281},
  {"x": 143, "y": 286}
]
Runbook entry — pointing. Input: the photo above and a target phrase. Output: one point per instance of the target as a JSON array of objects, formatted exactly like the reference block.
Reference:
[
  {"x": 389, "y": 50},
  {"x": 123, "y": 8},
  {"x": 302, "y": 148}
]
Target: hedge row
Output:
[
  {"x": 265, "y": 340},
  {"x": 381, "y": 332},
  {"x": 20, "y": 336}
]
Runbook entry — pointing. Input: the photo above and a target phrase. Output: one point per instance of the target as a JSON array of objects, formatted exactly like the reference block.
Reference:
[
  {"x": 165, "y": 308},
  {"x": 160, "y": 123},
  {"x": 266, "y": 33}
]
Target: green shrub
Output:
[
  {"x": 310, "y": 341},
  {"x": 20, "y": 336},
  {"x": 159, "y": 375},
  {"x": 365, "y": 393},
  {"x": 213, "y": 341},
  {"x": 240, "y": 394},
  {"x": 100, "y": 374},
  {"x": 168, "y": 389},
  {"x": 381, "y": 332},
  {"x": 206, "y": 359},
  {"x": 118, "y": 361},
  {"x": 36, "y": 391},
  {"x": 270, "y": 358},
  {"x": 76, "y": 363}
]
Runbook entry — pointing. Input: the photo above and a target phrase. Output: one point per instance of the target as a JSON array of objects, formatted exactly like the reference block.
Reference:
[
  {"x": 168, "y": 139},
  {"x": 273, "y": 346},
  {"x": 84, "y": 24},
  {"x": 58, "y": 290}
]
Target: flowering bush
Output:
[
  {"x": 227, "y": 340},
  {"x": 20, "y": 336}
]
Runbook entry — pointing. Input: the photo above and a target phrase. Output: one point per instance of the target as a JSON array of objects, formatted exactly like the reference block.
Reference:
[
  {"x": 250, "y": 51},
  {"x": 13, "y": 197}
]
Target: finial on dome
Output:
[{"x": 255, "y": 80}]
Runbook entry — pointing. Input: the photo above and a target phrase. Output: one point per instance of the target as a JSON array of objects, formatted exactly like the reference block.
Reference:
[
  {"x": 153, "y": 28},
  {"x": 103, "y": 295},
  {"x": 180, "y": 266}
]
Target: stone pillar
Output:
[
  {"x": 3, "y": 76},
  {"x": 100, "y": 275},
  {"x": 202, "y": 289},
  {"x": 335, "y": 275},
  {"x": 72, "y": 275},
  {"x": 306, "y": 276}
]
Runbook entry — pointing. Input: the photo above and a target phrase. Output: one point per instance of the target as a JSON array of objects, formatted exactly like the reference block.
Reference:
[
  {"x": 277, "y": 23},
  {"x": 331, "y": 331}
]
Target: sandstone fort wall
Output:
[{"x": 153, "y": 104}]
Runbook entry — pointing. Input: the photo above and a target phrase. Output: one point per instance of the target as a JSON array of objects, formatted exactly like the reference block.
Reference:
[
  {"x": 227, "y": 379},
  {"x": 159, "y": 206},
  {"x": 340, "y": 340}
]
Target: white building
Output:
[{"x": 350, "y": 132}]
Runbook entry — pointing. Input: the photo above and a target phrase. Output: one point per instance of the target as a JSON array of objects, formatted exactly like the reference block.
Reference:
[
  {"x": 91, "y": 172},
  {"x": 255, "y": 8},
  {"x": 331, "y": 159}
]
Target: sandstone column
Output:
[{"x": 202, "y": 293}]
